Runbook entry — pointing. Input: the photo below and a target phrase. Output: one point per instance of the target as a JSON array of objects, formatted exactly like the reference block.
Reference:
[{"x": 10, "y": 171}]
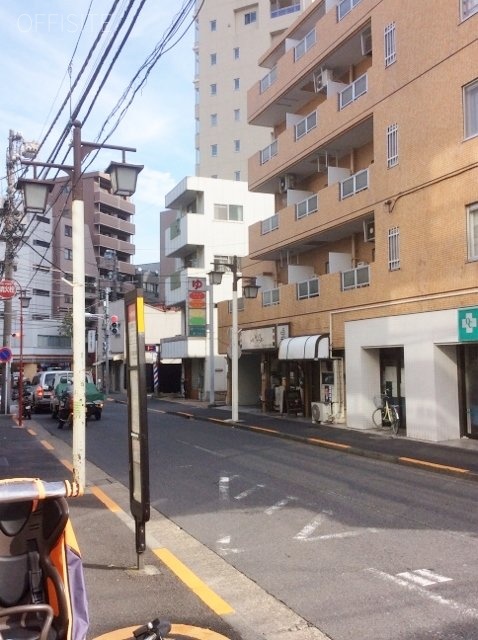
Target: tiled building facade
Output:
[{"x": 368, "y": 267}]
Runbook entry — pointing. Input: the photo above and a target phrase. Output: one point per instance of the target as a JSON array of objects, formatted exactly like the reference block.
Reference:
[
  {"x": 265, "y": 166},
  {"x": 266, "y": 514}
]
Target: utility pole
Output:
[
  {"x": 10, "y": 238},
  {"x": 106, "y": 327}
]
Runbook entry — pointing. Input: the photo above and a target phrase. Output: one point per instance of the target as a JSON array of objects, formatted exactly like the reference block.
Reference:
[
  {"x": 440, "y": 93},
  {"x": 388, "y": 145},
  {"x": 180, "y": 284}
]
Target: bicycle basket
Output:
[{"x": 379, "y": 401}]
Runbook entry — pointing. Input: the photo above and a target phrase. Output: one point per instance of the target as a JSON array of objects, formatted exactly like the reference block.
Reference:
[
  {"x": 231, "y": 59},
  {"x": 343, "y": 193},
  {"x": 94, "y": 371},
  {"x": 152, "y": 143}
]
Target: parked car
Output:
[{"x": 62, "y": 378}]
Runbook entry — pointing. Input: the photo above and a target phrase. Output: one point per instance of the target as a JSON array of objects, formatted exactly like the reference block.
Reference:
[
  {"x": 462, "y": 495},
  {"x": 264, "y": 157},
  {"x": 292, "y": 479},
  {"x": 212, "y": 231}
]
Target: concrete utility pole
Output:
[
  {"x": 106, "y": 327},
  {"x": 11, "y": 240}
]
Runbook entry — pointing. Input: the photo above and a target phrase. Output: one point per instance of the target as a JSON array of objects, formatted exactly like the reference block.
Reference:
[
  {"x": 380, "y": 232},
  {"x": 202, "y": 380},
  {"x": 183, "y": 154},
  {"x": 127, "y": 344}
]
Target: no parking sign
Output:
[{"x": 5, "y": 354}]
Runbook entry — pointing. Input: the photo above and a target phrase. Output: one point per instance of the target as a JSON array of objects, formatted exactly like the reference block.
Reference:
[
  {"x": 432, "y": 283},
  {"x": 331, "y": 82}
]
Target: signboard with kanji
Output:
[{"x": 196, "y": 307}]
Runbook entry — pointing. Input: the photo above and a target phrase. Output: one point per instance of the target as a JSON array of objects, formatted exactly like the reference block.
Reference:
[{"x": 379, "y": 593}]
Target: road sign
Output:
[
  {"x": 5, "y": 354},
  {"x": 8, "y": 289},
  {"x": 468, "y": 325}
]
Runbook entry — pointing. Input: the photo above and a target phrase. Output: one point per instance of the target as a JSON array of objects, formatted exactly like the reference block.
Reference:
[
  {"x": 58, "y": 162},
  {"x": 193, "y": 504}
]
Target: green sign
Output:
[{"x": 468, "y": 325}]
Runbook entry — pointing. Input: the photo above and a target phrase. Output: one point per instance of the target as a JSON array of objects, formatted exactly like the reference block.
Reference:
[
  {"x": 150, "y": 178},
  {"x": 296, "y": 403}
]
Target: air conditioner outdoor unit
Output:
[
  {"x": 369, "y": 230},
  {"x": 286, "y": 182},
  {"x": 321, "y": 77},
  {"x": 319, "y": 412}
]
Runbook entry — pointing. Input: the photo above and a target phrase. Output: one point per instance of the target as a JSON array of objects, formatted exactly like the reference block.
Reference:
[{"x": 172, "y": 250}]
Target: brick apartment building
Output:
[{"x": 369, "y": 265}]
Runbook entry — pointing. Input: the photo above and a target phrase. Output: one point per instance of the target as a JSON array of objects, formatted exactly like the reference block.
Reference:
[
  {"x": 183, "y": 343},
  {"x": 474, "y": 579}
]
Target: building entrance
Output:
[
  {"x": 392, "y": 379},
  {"x": 469, "y": 375}
]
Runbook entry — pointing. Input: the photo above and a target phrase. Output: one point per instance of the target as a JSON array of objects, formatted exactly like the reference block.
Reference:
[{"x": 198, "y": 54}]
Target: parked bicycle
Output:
[{"x": 386, "y": 414}]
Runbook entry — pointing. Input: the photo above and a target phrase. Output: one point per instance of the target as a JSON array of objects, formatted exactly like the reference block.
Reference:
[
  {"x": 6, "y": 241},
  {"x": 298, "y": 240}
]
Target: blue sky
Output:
[{"x": 37, "y": 42}]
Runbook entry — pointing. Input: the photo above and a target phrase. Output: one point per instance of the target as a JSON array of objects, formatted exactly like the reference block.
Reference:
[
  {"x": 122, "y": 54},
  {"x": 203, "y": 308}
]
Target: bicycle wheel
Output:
[
  {"x": 377, "y": 417},
  {"x": 395, "y": 421}
]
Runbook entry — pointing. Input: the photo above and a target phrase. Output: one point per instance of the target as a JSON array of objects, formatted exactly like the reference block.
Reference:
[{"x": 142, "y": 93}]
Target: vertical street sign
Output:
[{"x": 137, "y": 417}]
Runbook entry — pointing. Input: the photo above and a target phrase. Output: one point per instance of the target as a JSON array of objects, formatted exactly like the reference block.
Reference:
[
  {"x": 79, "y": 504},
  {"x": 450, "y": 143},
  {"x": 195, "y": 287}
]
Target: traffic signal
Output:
[{"x": 114, "y": 326}]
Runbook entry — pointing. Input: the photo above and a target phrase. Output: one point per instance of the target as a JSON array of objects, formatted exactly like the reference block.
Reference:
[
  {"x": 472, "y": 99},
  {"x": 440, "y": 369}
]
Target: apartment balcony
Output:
[
  {"x": 336, "y": 211},
  {"x": 297, "y": 149},
  {"x": 185, "y": 234},
  {"x": 107, "y": 221},
  {"x": 290, "y": 83},
  {"x": 115, "y": 202},
  {"x": 107, "y": 242}
]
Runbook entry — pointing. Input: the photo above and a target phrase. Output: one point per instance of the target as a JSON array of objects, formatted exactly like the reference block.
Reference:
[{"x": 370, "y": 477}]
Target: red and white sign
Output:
[{"x": 8, "y": 289}]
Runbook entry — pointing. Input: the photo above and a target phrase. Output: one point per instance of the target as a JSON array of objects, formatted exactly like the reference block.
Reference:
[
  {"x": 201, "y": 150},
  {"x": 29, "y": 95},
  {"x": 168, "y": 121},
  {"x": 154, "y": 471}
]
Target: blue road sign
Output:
[{"x": 5, "y": 354}]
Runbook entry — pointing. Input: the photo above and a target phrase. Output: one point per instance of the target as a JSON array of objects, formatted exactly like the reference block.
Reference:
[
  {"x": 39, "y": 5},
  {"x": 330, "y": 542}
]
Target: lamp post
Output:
[
  {"x": 212, "y": 382},
  {"x": 123, "y": 181},
  {"x": 249, "y": 290},
  {"x": 24, "y": 304}
]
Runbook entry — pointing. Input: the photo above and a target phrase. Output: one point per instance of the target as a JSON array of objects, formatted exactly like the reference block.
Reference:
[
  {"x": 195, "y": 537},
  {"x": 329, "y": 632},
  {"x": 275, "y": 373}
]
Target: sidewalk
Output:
[{"x": 456, "y": 457}]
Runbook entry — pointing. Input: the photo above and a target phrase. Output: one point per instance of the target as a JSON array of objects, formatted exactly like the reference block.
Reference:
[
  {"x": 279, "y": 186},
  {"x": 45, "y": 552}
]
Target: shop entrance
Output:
[
  {"x": 392, "y": 379},
  {"x": 468, "y": 372}
]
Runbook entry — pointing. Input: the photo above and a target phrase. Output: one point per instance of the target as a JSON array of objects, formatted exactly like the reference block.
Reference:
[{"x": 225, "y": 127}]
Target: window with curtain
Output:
[
  {"x": 390, "y": 47},
  {"x": 392, "y": 145},
  {"x": 394, "y": 249},
  {"x": 473, "y": 231}
]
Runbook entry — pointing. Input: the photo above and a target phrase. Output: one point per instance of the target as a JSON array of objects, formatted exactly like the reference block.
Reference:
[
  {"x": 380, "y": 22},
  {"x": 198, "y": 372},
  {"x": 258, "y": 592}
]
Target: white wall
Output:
[{"x": 430, "y": 370}]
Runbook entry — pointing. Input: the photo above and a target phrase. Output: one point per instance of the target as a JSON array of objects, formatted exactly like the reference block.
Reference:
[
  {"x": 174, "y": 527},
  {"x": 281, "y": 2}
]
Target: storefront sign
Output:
[
  {"x": 468, "y": 325},
  {"x": 196, "y": 309}
]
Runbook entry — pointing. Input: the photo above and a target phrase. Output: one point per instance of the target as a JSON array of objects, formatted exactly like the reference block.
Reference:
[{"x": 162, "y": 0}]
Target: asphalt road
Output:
[{"x": 359, "y": 548}]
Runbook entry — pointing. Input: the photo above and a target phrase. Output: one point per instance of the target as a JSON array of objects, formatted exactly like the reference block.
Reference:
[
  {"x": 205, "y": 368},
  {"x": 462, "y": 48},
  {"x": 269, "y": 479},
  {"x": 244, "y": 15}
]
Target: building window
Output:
[
  {"x": 68, "y": 230},
  {"x": 390, "y": 44},
  {"x": 68, "y": 253},
  {"x": 392, "y": 145},
  {"x": 394, "y": 249},
  {"x": 213, "y": 119},
  {"x": 68, "y": 298},
  {"x": 41, "y": 243},
  {"x": 214, "y": 150},
  {"x": 471, "y": 109},
  {"x": 213, "y": 59},
  {"x": 213, "y": 89},
  {"x": 473, "y": 231},
  {"x": 237, "y": 176},
  {"x": 237, "y": 115},
  {"x": 468, "y": 8},
  {"x": 237, "y": 146},
  {"x": 228, "y": 212},
  {"x": 40, "y": 218},
  {"x": 213, "y": 25},
  {"x": 235, "y": 53},
  {"x": 236, "y": 84},
  {"x": 250, "y": 17},
  {"x": 41, "y": 292}
]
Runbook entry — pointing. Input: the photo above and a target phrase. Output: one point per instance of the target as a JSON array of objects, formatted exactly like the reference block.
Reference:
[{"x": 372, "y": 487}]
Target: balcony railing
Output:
[
  {"x": 268, "y": 80},
  {"x": 354, "y": 278},
  {"x": 305, "y": 125},
  {"x": 275, "y": 13},
  {"x": 304, "y": 45},
  {"x": 354, "y": 184},
  {"x": 269, "y": 224},
  {"x": 353, "y": 91},
  {"x": 306, "y": 207},
  {"x": 269, "y": 152},
  {"x": 346, "y": 7},
  {"x": 270, "y": 297},
  {"x": 308, "y": 289}
]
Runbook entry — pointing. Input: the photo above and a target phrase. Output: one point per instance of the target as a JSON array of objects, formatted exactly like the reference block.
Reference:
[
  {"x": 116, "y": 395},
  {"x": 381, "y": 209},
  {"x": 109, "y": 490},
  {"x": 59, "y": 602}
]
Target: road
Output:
[{"x": 359, "y": 548}]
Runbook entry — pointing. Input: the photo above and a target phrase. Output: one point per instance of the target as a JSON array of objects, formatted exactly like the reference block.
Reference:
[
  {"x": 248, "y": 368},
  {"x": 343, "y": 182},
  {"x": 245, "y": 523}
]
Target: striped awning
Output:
[{"x": 304, "y": 348}]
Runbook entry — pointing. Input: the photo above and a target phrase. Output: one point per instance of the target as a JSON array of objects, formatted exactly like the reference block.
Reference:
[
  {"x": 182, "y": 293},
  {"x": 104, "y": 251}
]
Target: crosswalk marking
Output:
[
  {"x": 423, "y": 577},
  {"x": 248, "y": 492},
  {"x": 279, "y": 505}
]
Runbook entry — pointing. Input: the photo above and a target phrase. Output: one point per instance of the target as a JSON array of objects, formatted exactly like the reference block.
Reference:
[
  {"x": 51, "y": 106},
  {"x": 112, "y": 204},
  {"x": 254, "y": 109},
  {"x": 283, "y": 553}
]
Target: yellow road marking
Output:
[
  {"x": 207, "y": 595},
  {"x": 32, "y": 432},
  {"x": 328, "y": 443},
  {"x": 434, "y": 465},
  {"x": 47, "y": 445},
  {"x": 102, "y": 497},
  {"x": 67, "y": 464}
]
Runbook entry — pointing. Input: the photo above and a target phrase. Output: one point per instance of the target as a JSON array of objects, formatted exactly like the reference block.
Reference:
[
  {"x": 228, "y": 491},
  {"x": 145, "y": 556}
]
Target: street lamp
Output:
[
  {"x": 124, "y": 184},
  {"x": 249, "y": 290}
]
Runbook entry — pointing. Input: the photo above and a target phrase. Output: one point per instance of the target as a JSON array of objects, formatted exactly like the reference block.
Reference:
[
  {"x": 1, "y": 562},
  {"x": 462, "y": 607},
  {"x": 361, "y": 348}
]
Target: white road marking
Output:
[
  {"x": 344, "y": 534},
  {"x": 223, "y": 547},
  {"x": 423, "y": 577},
  {"x": 224, "y": 487},
  {"x": 279, "y": 505},
  {"x": 310, "y": 528},
  {"x": 434, "y": 597},
  {"x": 248, "y": 492}
]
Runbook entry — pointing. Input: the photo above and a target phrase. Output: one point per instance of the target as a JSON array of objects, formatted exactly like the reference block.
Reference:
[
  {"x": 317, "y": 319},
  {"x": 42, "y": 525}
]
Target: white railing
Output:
[
  {"x": 269, "y": 152},
  {"x": 304, "y": 45},
  {"x": 353, "y": 91},
  {"x": 354, "y": 278},
  {"x": 270, "y": 297},
  {"x": 275, "y": 13},
  {"x": 354, "y": 184},
  {"x": 305, "y": 125},
  {"x": 269, "y": 224},
  {"x": 346, "y": 7},
  {"x": 308, "y": 289},
  {"x": 268, "y": 80},
  {"x": 306, "y": 207}
]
